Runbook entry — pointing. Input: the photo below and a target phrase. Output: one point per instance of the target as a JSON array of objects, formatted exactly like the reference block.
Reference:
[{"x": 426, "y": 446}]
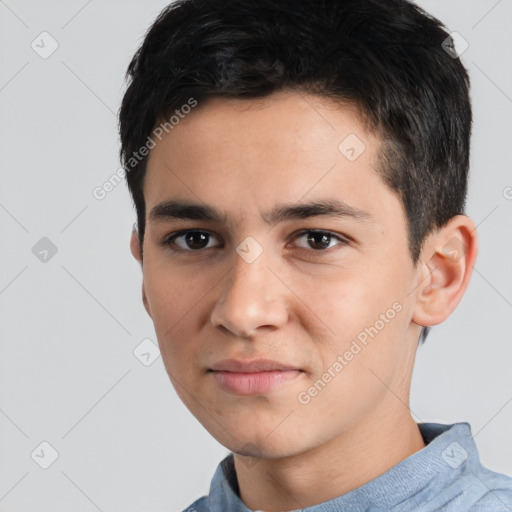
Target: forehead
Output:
[
  {"x": 256, "y": 153},
  {"x": 283, "y": 121}
]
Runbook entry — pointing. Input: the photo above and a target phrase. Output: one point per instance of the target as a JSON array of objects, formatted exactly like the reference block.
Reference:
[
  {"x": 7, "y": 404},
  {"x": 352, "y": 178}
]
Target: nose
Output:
[{"x": 252, "y": 299}]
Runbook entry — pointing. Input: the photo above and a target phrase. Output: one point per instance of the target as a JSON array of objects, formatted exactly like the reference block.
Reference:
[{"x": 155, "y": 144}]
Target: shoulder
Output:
[
  {"x": 200, "y": 505},
  {"x": 463, "y": 483},
  {"x": 497, "y": 496},
  {"x": 222, "y": 495},
  {"x": 476, "y": 491}
]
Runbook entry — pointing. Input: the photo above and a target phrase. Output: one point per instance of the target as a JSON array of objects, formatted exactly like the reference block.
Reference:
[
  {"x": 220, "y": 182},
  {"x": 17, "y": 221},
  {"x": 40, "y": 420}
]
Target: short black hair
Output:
[{"x": 388, "y": 58}]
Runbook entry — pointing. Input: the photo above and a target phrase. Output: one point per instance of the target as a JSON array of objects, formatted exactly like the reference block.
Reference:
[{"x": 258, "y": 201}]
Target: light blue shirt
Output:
[{"x": 446, "y": 476}]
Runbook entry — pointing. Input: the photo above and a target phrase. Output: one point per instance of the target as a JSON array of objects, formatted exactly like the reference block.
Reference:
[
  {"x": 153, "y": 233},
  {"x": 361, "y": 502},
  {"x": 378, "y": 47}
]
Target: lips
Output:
[
  {"x": 256, "y": 365},
  {"x": 252, "y": 377}
]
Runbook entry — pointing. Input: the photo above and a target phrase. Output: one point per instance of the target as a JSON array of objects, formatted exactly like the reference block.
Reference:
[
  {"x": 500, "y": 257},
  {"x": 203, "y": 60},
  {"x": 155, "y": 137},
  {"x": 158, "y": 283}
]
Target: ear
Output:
[
  {"x": 135, "y": 247},
  {"x": 136, "y": 251},
  {"x": 444, "y": 270}
]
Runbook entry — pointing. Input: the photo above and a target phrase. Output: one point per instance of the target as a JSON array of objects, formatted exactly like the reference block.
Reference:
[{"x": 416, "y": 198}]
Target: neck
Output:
[{"x": 332, "y": 469}]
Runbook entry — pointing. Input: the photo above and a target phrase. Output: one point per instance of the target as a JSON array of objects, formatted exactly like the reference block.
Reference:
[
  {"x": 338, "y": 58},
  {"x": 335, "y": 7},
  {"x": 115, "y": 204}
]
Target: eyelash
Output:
[{"x": 169, "y": 240}]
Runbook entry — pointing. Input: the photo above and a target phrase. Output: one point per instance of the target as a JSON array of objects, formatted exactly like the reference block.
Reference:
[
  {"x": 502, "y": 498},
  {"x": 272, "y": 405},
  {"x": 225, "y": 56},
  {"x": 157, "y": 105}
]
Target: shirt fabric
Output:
[{"x": 446, "y": 476}]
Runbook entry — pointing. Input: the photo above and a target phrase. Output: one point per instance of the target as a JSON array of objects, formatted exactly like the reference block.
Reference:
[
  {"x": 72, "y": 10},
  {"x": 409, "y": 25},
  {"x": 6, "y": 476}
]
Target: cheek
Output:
[
  {"x": 365, "y": 311},
  {"x": 174, "y": 301},
  {"x": 345, "y": 302}
]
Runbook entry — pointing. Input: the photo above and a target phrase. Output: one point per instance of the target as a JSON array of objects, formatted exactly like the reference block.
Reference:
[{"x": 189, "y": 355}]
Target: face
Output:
[{"x": 270, "y": 236}]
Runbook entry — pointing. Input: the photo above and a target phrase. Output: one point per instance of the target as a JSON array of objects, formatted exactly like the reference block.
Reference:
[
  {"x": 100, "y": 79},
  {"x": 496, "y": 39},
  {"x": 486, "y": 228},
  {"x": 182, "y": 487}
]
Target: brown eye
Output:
[
  {"x": 319, "y": 240},
  {"x": 192, "y": 240}
]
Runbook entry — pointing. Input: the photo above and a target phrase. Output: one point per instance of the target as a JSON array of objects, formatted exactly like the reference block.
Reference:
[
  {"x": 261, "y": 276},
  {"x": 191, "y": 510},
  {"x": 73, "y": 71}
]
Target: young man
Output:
[{"x": 299, "y": 171}]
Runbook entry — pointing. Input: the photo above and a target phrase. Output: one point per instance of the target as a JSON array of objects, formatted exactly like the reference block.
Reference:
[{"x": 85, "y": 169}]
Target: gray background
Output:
[{"x": 70, "y": 325}]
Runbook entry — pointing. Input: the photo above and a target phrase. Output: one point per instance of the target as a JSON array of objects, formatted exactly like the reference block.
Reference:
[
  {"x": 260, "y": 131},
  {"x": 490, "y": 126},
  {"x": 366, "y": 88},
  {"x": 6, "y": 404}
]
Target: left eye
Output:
[{"x": 319, "y": 240}]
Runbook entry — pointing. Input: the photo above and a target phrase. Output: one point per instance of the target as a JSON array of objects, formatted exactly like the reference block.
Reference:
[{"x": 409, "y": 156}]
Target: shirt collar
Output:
[{"x": 447, "y": 448}]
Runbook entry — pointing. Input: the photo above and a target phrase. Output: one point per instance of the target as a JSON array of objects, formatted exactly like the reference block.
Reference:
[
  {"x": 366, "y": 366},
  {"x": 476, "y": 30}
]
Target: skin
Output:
[{"x": 295, "y": 303}]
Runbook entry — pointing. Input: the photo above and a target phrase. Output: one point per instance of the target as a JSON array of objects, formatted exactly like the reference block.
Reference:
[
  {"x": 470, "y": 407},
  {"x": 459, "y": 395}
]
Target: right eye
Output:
[{"x": 192, "y": 240}]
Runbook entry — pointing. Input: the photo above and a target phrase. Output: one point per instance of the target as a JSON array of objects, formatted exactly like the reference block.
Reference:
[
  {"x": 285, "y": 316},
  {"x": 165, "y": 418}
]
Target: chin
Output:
[{"x": 263, "y": 445}]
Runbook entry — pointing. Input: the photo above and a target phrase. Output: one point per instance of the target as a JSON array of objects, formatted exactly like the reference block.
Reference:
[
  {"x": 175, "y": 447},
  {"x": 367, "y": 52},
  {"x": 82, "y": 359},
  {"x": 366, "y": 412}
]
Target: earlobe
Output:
[{"x": 447, "y": 263}]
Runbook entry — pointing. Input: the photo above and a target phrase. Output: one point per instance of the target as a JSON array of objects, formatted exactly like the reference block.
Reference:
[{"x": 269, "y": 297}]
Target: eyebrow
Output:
[{"x": 173, "y": 209}]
